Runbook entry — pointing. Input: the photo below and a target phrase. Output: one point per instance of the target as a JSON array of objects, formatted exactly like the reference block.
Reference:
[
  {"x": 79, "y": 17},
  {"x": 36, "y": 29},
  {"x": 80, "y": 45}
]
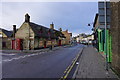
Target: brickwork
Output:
[{"x": 115, "y": 32}]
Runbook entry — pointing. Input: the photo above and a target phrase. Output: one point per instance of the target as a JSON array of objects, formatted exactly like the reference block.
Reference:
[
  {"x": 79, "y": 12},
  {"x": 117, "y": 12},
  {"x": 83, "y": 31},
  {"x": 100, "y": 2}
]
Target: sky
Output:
[{"x": 73, "y": 16}]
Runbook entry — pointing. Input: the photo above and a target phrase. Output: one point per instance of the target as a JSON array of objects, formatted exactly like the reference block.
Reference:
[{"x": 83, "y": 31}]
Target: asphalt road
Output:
[{"x": 50, "y": 64}]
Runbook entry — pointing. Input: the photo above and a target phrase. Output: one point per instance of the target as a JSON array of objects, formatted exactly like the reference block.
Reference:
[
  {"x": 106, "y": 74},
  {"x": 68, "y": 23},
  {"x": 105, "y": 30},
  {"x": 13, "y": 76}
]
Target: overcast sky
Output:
[{"x": 73, "y": 16}]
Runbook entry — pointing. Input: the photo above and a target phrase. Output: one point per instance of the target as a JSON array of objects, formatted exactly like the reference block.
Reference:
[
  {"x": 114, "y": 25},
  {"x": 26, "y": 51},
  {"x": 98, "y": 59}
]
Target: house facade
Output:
[
  {"x": 5, "y": 39},
  {"x": 34, "y": 36},
  {"x": 79, "y": 38},
  {"x": 68, "y": 36},
  {"x": 103, "y": 37}
]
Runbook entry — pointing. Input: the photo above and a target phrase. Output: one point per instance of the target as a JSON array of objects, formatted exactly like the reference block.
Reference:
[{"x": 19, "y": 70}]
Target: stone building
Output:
[
  {"x": 68, "y": 36},
  {"x": 115, "y": 32},
  {"x": 5, "y": 39},
  {"x": 34, "y": 36},
  {"x": 79, "y": 38}
]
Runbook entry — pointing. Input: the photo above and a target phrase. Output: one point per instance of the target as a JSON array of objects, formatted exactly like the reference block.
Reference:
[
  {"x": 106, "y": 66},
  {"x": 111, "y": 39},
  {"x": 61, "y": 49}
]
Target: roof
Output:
[
  {"x": 95, "y": 20},
  {"x": 42, "y": 31},
  {"x": 6, "y": 32}
]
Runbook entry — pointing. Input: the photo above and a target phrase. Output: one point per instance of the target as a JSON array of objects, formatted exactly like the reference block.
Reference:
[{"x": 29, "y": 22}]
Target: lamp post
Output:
[{"x": 105, "y": 8}]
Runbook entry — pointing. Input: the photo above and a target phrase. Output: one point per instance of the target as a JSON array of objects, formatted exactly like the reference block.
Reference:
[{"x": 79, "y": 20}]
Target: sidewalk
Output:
[
  {"x": 92, "y": 65},
  {"x": 28, "y": 51},
  {"x": 33, "y": 51}
]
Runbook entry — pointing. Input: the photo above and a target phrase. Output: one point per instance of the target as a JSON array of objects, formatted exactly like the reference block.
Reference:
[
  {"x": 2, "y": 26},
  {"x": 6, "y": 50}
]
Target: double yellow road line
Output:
[{"x": 69, "y": 68}]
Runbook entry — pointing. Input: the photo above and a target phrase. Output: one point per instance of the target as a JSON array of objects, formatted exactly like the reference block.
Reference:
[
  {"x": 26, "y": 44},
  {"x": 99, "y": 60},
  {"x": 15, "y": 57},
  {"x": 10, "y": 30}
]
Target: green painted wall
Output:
[
  {"x": 101, "y": 43},
  {"x": 107, "y": 49},
  {"x": 99, "y": 40}
]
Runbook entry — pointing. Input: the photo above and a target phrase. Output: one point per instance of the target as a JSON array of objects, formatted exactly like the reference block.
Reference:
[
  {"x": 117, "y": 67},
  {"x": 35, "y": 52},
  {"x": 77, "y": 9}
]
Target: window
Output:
[{"x": 3, "y": 44}]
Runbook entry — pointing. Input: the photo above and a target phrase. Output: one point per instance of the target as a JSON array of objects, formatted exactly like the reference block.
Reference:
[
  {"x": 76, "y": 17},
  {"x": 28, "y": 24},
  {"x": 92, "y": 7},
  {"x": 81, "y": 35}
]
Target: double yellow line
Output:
[{"x": 69, "y": 68}]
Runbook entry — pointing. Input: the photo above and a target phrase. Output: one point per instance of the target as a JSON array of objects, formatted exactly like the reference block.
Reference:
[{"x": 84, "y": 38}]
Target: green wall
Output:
[{"x": 101, "y": 43}]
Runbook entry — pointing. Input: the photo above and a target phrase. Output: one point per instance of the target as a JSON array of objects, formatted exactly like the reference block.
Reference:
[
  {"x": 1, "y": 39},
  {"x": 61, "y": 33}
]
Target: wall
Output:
[
  {"x": 6, "y": 43},
  {"x": 115, "y": 32},
  {"x": 25, "y": 32},
  {"x": 0, "y": 43},
  {"x": 68, "y": 37}
]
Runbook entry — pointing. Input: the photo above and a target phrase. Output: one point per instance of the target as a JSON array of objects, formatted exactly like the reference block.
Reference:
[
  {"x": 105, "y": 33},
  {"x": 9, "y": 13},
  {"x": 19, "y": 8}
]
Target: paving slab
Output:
[{"x": 92, "y": 65}]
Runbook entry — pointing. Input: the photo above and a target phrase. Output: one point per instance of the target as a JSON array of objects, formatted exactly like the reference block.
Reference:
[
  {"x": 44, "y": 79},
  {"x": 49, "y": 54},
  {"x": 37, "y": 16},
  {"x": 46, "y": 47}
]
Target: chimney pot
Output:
[
  {"x": 52, "y": 26},
  {"x": 27, "y": 18},
  {"x": 60, "y": 29},
  {"x": 67, "y": 30}
]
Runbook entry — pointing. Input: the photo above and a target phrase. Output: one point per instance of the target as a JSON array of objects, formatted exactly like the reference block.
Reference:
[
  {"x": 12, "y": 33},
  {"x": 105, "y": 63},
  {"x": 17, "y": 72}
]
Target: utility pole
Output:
[{"x": 105, "y": 9}]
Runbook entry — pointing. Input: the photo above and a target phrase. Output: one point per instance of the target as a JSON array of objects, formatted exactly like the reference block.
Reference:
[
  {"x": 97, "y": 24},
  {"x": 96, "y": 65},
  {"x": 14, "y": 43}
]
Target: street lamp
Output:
[
  {"x": 89, "y": 24},
  {"x": 105, "y": 34}
]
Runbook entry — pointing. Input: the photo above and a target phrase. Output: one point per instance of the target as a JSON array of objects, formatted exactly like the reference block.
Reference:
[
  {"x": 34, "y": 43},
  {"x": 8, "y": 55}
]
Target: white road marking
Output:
[
  {"x": 7, "y": 54},
  {"x": 20, "y": 57}
]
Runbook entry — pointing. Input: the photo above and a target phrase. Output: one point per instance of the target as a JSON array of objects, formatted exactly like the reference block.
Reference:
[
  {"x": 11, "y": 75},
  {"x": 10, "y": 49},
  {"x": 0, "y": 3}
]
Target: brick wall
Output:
[{"x": 115, "y": 32}]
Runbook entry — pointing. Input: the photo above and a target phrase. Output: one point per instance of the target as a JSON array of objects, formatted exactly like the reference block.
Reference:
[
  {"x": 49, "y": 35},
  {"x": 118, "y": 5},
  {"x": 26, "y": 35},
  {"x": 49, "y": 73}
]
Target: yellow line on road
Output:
[{"x": 69, "y": 68}]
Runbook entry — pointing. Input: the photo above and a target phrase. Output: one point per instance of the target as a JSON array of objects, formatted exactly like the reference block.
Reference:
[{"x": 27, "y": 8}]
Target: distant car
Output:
[
  {"x": 84, "y": 42},
  {"x": 90, "y": 42}
]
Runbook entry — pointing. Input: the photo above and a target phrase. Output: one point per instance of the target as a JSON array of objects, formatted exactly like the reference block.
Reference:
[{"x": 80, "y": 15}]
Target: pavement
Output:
[
  {"x": 28, "y": 51},
  {"x": 51, "y": 64},
  {"x": 92, "y": 66}
]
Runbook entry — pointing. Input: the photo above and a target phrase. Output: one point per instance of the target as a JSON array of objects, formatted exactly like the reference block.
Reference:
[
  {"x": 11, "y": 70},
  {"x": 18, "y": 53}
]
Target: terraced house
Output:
[
  {"x": 34, "y": 36},
  {"x": 5, "y": 39}
]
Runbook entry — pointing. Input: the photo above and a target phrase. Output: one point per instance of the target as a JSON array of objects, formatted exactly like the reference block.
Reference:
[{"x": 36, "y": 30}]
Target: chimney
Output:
[
  {"x": 60, "y": 29},
  {"x": 67, "y": 30},
  {"x": 27, "y": 18},
  {"x": 14, "y": 30},
  {"x": 52, "y": 26}
]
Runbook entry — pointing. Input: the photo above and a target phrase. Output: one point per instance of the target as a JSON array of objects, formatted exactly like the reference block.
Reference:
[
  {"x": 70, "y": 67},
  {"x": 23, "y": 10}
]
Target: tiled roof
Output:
[
  {"x": 6, "y": 32},
  {"x": 44, "y": 32}
]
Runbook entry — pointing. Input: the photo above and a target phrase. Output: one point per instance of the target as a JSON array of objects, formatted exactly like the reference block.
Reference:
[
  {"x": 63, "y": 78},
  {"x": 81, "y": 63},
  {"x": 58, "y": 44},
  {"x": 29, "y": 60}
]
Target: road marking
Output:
[
  {"x": 7, "y": 54},
  {"x": 20, "y": 57},
  {"x": 69, "y": 68}
]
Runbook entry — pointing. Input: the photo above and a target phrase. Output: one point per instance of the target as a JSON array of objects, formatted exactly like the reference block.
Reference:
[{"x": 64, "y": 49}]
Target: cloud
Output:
[
  {"x": 73, "y": 16},
  {"x": 52, "y": 0}
]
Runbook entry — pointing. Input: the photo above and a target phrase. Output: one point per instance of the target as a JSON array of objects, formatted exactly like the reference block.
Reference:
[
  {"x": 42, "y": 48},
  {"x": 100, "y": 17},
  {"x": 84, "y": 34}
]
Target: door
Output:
[
  {"x": 13, "y": 44},
  {"x": 59, "y": 43},
  {"x": 44, "y": 44}
]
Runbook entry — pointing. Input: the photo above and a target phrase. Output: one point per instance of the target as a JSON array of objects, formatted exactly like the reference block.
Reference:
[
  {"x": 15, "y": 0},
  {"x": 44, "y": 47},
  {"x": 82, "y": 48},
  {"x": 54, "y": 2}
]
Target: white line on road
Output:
[
  {"x": 20, "y": 57},
  {"x": 7, "y": 54}
]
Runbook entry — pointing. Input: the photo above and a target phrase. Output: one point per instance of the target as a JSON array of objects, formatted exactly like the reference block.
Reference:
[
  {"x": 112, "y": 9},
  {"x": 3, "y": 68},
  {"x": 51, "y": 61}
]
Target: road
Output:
[{"x": 50, "y": 64}]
